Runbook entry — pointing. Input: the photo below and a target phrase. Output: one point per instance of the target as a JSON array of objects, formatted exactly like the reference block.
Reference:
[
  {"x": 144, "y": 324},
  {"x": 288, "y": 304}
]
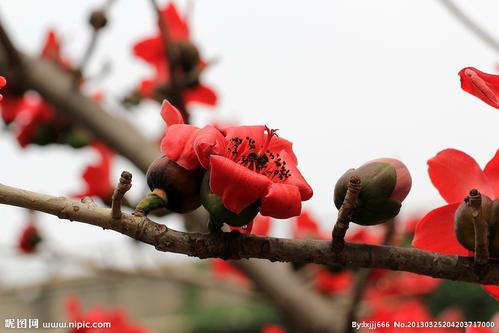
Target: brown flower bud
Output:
[{"x": 98, "y": 19}]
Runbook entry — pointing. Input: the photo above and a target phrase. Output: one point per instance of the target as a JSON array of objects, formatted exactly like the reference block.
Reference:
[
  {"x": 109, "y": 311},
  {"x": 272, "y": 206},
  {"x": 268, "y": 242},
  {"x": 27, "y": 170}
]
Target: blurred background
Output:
[{"x": 345, "y": 81}]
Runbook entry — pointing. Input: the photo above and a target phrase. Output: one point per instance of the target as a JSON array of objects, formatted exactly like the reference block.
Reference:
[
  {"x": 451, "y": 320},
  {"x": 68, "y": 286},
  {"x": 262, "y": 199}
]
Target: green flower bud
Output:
[
  {"x": 465, "y": 228},
  {"x": 384, "y": 185}
]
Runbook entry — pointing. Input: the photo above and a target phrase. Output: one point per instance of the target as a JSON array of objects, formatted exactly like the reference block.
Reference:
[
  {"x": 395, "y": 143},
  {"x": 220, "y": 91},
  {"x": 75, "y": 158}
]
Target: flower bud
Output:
[
  {"x": 385, "y": 183},
  {"x": 465, "y": 228},
  {"x": 219, "y": 214},
  {"x": 29, "y": 239},
  {"x": 187, "y": 53},
  {"x": 172, "y": 186},
  {"x": 98, "y": 19}
]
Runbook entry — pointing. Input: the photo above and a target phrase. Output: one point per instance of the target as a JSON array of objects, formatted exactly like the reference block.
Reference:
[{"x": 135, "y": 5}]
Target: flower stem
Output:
[{"x": 155, "y": 200}]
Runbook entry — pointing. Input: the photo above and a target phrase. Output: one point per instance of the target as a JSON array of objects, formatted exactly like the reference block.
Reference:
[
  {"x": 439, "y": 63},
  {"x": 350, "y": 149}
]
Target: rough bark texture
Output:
[{"x": 234, "y": 245}]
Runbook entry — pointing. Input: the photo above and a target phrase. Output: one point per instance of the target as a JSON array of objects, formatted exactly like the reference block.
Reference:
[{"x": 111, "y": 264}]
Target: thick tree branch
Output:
[{"x": 238, "y": 246}]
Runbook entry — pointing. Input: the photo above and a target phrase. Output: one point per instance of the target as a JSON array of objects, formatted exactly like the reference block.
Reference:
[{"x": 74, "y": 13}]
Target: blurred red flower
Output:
[
  {"x": 305, "y": 226},
  {"x": 29, "y": 239},
  {"x": 3, "y": 82},
  {"x": 273, "y": 328},
  {"x": 36, "y": 120},
  {"x": 246, "y": 164},
  {"x": 482, "y": 85},
  {"x": 223, "y": 269},
  {"x": 97, "y": 177},
  {"x": 405, "y": 311},
  {"x": 117, "y": 318},
  {"x": 259, "y": 226},
  {"x": 152, "y": 50},
  {"x": 454, "y": 174}
]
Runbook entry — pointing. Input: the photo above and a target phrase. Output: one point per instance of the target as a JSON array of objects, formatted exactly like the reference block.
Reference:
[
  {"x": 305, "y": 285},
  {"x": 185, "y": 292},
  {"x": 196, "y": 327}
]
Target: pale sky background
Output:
[{"x": 346, "y": 81}]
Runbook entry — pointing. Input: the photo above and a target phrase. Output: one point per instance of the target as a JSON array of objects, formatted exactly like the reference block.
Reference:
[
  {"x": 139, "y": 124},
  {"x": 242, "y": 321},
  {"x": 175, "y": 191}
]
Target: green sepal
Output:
[
  {"x": 150, "y": 203},
  {"x": 219, "y": 214}
]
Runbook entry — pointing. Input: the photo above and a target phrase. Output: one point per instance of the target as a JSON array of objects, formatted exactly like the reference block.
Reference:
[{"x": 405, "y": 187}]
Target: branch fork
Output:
[
  {"x": 482, "y": 255},
  {"x": 345, "y": 214}
]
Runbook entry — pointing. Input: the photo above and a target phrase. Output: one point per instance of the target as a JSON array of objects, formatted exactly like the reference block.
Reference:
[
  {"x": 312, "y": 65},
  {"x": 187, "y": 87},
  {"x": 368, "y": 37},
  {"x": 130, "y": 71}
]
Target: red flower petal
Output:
[
  {"x": 491, "y": 171},
  {"x": 177, "y": 26},
  {"x": 201, "y": 94},
  {"x": 178, "y": 145},
  {"x": 331, "y": 283},
  {"x": 209, "y": 141},
  {"x": 256, "y": 132},
  {"x": 224, "y": 269},
  {"x": 482, "y": 85},
  {"x": 261, "y": 225},
  {"x": 170, "y": 114},
  {"x": 296, "y": 177},
  {"x": 364, "y": 235},
  {"x": 435, "y": 232},
  {"x": 52, "y": 47},
  {"x": 150, "y": 50},
  {"x": 238, "y": 186},
  {"x": 455, "y": 173},
  {"x": 97, "y": 177},
  {"x": 492, "y": 290},
  {"x": 282, "y": 201},
  {"x": 406, "y": 284},
  {"x": 146, "y": 88},
  {"x": 305, "y": 226}
]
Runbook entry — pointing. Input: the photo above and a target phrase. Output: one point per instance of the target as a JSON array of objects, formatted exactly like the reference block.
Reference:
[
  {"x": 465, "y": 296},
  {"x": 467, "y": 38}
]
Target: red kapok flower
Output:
[
  {"x": 97, "y": 177},
  {"x": 454, "y": 174},
  {"x": 246, "y": 164},
  {"x": 29, "y": 239},
  {"x": 482, "y": 85},
  {"x": 152, "y": 50}
]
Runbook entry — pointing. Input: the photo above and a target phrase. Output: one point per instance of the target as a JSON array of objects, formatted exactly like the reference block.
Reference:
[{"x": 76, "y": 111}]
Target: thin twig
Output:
[
  {"x": 238, "y": 246},
  {"x": 470, "y": 24},
  {"x": 96, "y": 29},
  {"x": 124, "y": 185},
  {"x": 345, "y": 214},
  {"x": 481, "y": 229},
  {"x": 172, "y": 59}
]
